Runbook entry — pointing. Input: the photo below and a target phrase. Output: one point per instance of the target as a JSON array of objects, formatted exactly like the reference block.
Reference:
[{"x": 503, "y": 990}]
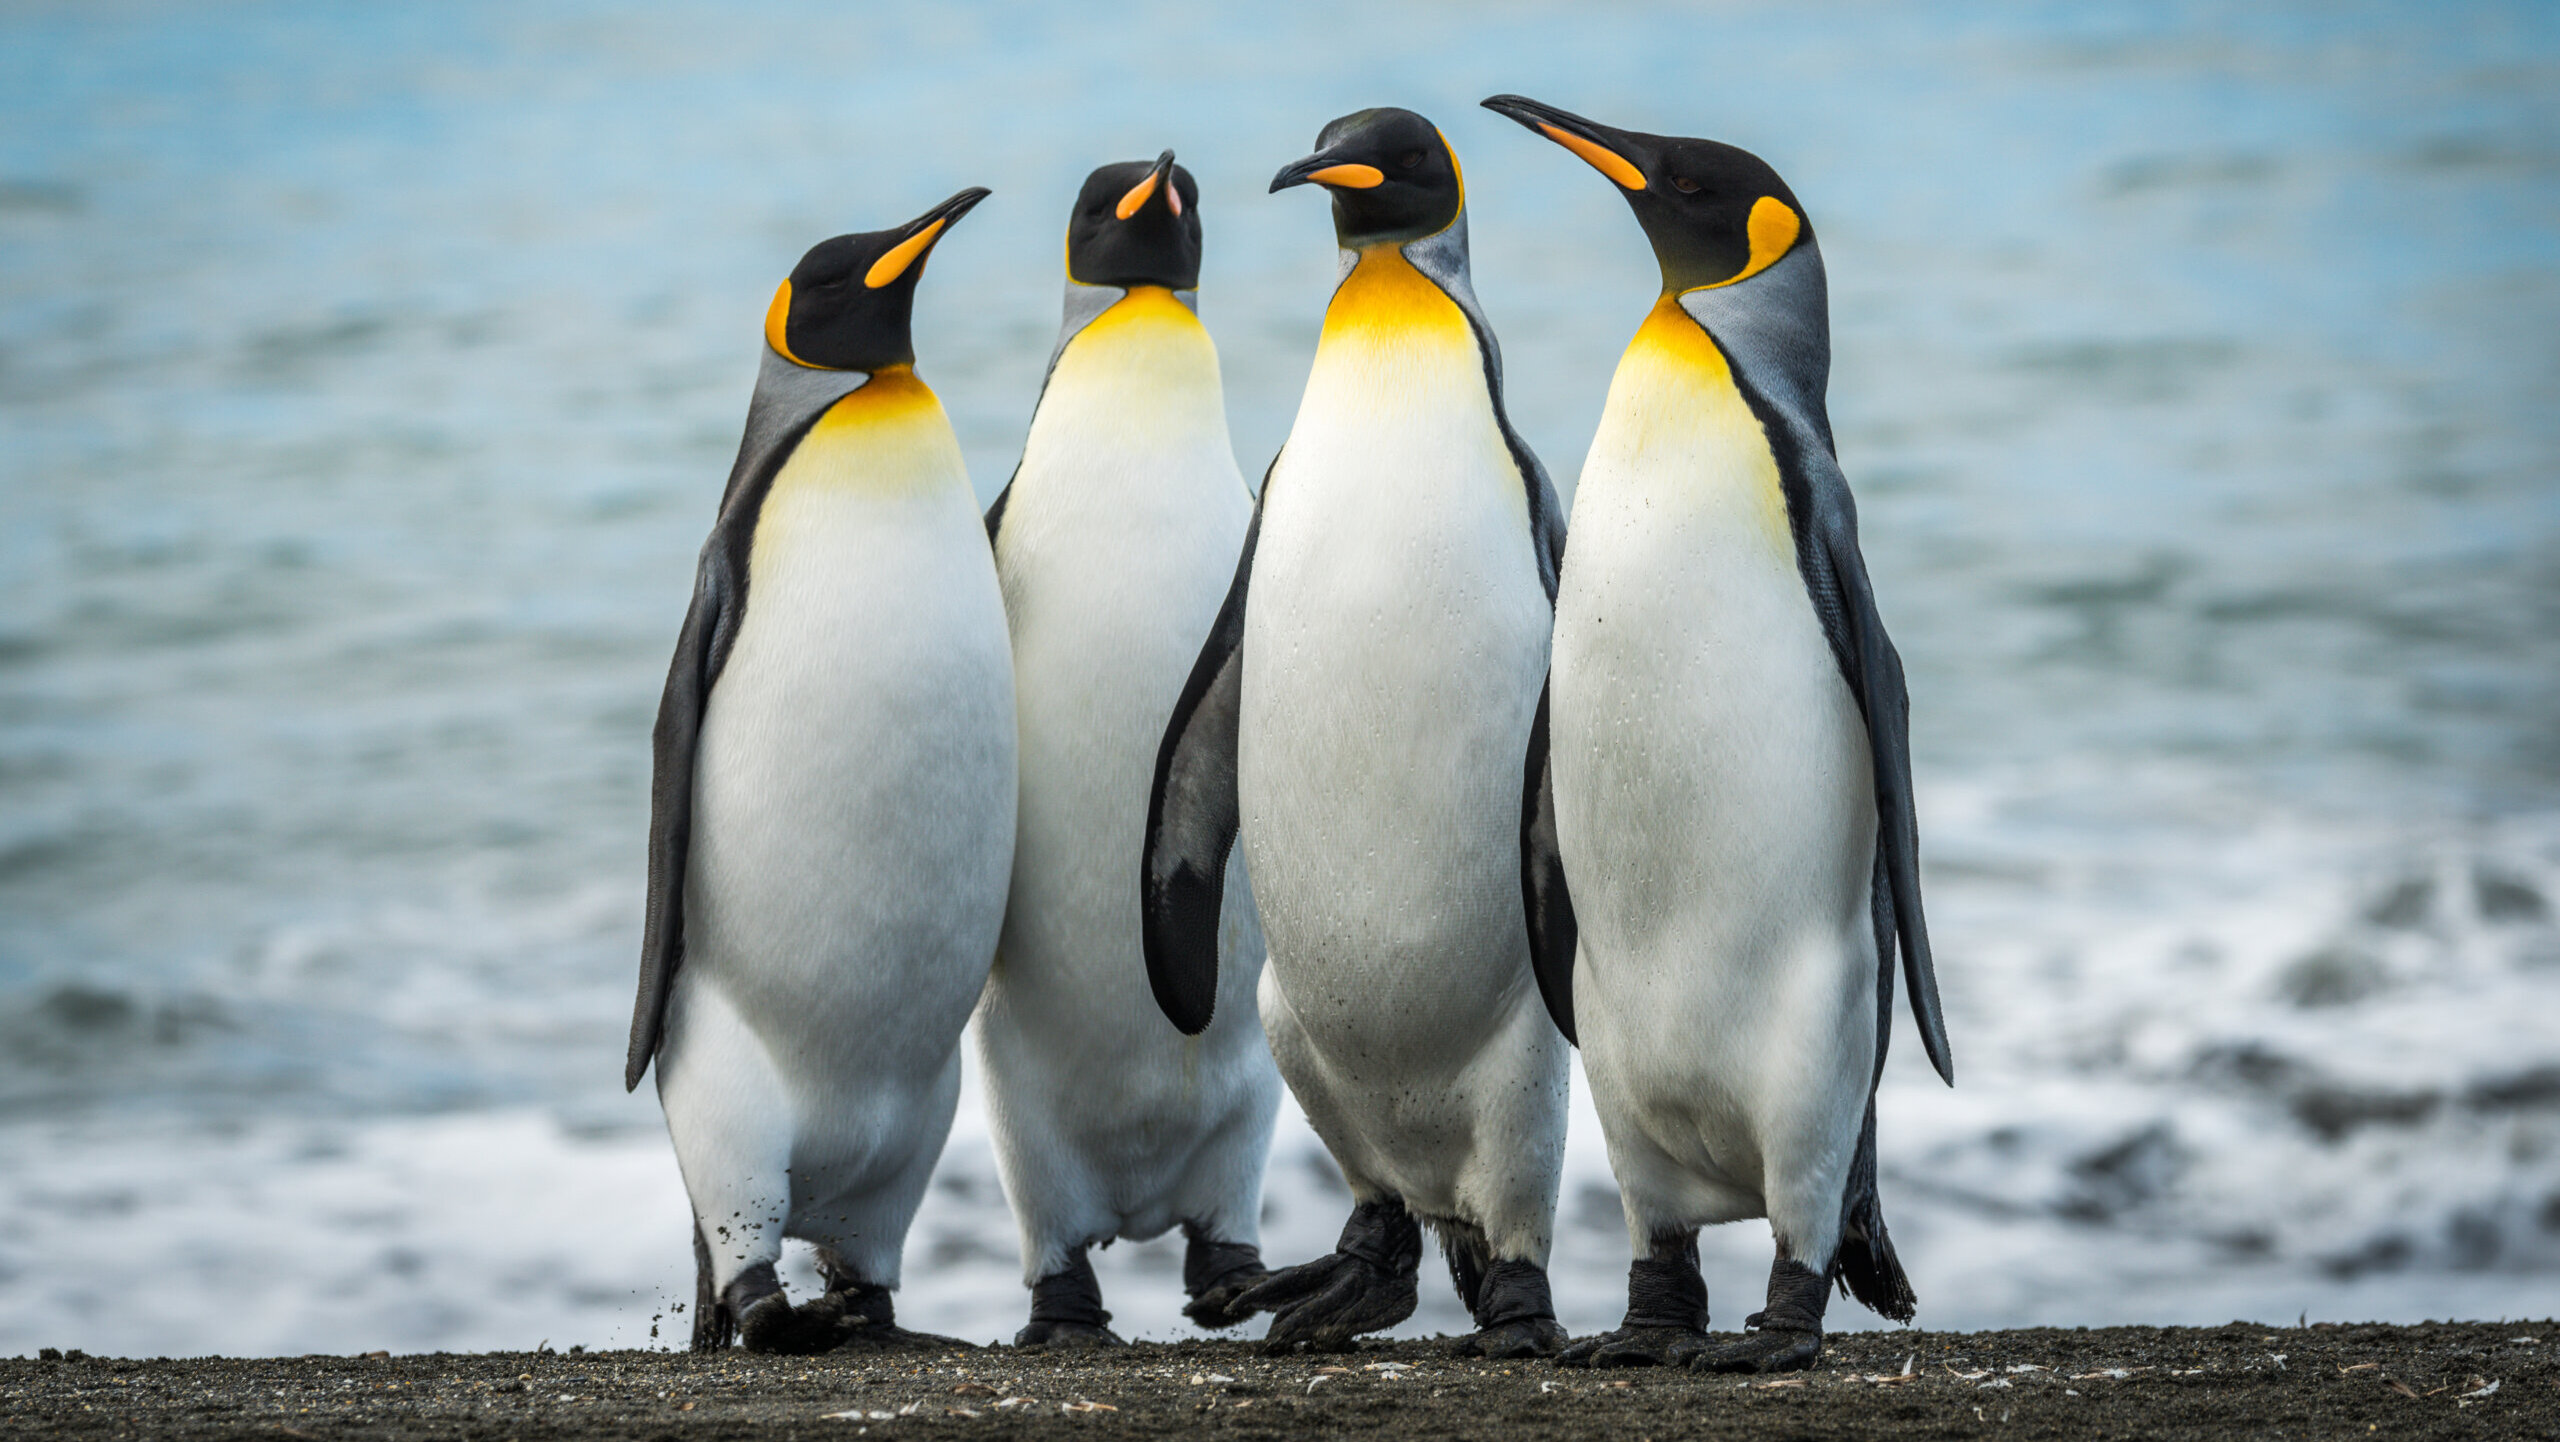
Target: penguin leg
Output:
[
  {"x": 1066, "y": 1309},
  {"x": 714, "y": 1329},
  {"x": 1367, "y": 1284},
  {"x": 1215, "y": 1274},
  {"x": 865, "y": 1188},
  {"x": 729, "y": 1117},
  {"x": 1666, "y": 1322},
  {"x": 1515, "y": 1314}
]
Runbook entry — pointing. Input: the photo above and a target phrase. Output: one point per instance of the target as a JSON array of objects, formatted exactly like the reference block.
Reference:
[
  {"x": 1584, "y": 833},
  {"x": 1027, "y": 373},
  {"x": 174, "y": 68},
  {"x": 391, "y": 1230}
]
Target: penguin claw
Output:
[
  {"x": 1772, "y": 1351},
  {"x": 1220, "y": 1306},
  {"x": 1505, "y": 1341},
  {"x": 1326, "y": 1303},
  {"x": 1636, "y": 1347},
  {"x": 1068, "y": 1336}
]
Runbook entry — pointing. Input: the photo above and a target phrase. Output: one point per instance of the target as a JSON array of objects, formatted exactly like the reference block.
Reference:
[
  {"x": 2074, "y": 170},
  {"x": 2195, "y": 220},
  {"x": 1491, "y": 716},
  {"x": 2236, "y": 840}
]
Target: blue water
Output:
[{"x": 367, "y": 377}]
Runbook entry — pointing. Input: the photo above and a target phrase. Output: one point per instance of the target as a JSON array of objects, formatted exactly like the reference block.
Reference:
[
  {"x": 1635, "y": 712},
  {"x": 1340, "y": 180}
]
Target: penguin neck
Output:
[
  {"x": 1146, "y": 354},
  {"x": 1677, "y": 427},
  {"x": 889, "y": 430},
  {"x": 1673, "y": 344},
  {"x": 1386, "y": 302}
]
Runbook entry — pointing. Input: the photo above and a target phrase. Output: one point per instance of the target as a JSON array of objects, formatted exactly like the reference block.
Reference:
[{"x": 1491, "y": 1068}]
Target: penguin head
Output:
[
  {"x": 1716, "y": 214},
  {"x": 1392, "y": 175},
  {"x": 1136, "y": 223},
  {"x": 847, "y": 303}
]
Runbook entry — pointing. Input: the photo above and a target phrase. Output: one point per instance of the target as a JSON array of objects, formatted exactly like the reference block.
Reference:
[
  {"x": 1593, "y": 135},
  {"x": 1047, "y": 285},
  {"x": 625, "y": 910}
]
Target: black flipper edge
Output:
[
  {"x": 1543, "y": 893},
  {"x": 1193, "y": 815}
]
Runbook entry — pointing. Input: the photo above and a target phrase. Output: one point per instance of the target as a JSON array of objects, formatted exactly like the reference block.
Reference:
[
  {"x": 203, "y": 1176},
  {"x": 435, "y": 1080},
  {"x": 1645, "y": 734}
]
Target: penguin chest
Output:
[
  {"x": 854, "y": 790},
  {"x": 1118, "y": 543},
  {"x": 1714, "y": 796},
  {"x": 1395, "y": 636}
]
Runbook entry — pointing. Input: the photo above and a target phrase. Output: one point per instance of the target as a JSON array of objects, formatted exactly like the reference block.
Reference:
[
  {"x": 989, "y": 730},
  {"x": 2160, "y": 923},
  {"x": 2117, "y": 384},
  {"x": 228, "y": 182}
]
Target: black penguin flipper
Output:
[
  {"x": 1193, "y": 815},
  {"x": 1875, "y": 672},
  {"x": 789, "y": 399},
  {"x": 1543, "y": 894},
  {"x": 718, "y": 597}
]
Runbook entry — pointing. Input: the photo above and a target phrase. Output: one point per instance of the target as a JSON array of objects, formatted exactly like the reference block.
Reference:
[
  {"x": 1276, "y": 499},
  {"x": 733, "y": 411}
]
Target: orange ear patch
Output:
[
  {"x": 777, "y": 321},
  {"x": 1774, "y": 228}
]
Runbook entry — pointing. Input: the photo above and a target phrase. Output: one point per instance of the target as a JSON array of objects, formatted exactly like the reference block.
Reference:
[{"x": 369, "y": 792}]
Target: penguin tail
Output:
[
  {"x": 713, "y": 1328},
  {"x": 1864, "y": 1265},
  {"x": 1470, "y": 1256}
]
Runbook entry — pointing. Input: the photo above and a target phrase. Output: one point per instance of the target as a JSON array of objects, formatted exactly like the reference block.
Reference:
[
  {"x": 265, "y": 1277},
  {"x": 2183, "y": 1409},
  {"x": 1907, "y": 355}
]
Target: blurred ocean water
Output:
[{"x": 368, "y": 375}]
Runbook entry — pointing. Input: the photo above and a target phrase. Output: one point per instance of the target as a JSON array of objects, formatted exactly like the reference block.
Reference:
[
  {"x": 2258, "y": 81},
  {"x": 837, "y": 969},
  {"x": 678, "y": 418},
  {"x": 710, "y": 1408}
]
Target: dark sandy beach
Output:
[{"x": 2240, "y": 1380}]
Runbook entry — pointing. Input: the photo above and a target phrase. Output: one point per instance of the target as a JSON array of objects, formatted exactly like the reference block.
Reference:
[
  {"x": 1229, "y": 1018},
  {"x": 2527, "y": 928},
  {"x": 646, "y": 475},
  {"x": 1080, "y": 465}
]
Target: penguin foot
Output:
[
  {"x": 1770, "y": 1351},
  {"x": 1326, "y": 1303},
  {"x": 1367, "y": 1285},
  {"x": 1067, "y": 1336},
  {"x": 1636, "y": 1347},
  {"x": 1215, "y": 1274},
  {"x": 890, "y": 1337},
  {"x": 1666, "y": 1322},
  {"x": 1784, "y": 1336},
  {"x": 1526, "y": 1337},
  {"x": 1217, "y": 1307},
  {"x": 1515, "y": 1315},
  {"x": 772, "y": 1324},
  {"x": 1066, "y": 1309}
]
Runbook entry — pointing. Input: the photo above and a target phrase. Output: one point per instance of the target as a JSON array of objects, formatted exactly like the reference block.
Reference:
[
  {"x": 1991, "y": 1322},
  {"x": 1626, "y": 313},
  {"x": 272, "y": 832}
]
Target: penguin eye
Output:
[
  {"x": 1409, "y": 159},
  {"x": 1684, "y": 185}
]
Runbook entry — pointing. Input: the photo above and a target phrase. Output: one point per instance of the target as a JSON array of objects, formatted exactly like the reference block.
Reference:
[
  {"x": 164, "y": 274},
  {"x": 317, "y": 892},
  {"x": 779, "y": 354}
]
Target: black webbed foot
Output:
[
  {"x": 767, "y": 1322},
  {"x": 1515, "y": 1315},
  {"x": 1786, "y": 1335},
  {"x": 1762, "y": 1352},
  {"x": 1637, "y": 1347},
  {"x": 1666, "y": 1321},
  {"x": 1366, "y": 1285},
  {"x": 1066, "y": 1309},
  {"x": 1527, "y": 1337},
  {"x": 1215, "y": 1274},
  {"x": 1067, "y": 1336}
]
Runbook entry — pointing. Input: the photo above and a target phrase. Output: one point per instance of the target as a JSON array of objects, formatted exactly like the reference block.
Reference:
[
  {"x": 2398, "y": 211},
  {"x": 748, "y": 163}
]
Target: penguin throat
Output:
[
  {"x": 1385, "y": 296},
  {"x": 1672, "y": 338},
  {"x": 893, "y": 393}
]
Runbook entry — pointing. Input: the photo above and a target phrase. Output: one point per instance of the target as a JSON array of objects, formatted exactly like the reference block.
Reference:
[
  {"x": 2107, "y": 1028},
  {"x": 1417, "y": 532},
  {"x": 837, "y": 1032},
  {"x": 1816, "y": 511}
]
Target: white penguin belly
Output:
[
  {"x": 1118, "y": 543},
  {"x": 855, "y": 788},
  {"x": 1395, "y": 639},
  {"x": 1713, "y": 791}
]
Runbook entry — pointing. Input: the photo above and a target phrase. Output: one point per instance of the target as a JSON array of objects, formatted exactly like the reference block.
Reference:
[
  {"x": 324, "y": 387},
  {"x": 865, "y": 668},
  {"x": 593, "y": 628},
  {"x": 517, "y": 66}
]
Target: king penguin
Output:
[
  {"x": 1114, "y": 542},
  {"x": 832, "y": 816},
  {"x": 1719, "y": 810},
  {"x": 1362, "y": 719}
]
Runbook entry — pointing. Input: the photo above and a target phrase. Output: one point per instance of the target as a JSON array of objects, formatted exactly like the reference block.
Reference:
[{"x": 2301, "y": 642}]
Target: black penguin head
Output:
[
  {"x": 1136, "y": 223},
  {"x": 1716, "y": 214},
  {"x": 847, "y": 302},
  {"x": 1392, "y": 175}
]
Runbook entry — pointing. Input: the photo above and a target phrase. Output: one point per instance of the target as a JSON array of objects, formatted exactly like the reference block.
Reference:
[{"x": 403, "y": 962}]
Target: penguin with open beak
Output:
[
  {"x": 1726, "y": 777},
  {"x": 1360, "y": 714}
]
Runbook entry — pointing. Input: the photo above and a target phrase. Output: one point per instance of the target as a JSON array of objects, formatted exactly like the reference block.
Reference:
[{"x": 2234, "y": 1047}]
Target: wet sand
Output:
[{"x": 2244, "y": 1379}]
